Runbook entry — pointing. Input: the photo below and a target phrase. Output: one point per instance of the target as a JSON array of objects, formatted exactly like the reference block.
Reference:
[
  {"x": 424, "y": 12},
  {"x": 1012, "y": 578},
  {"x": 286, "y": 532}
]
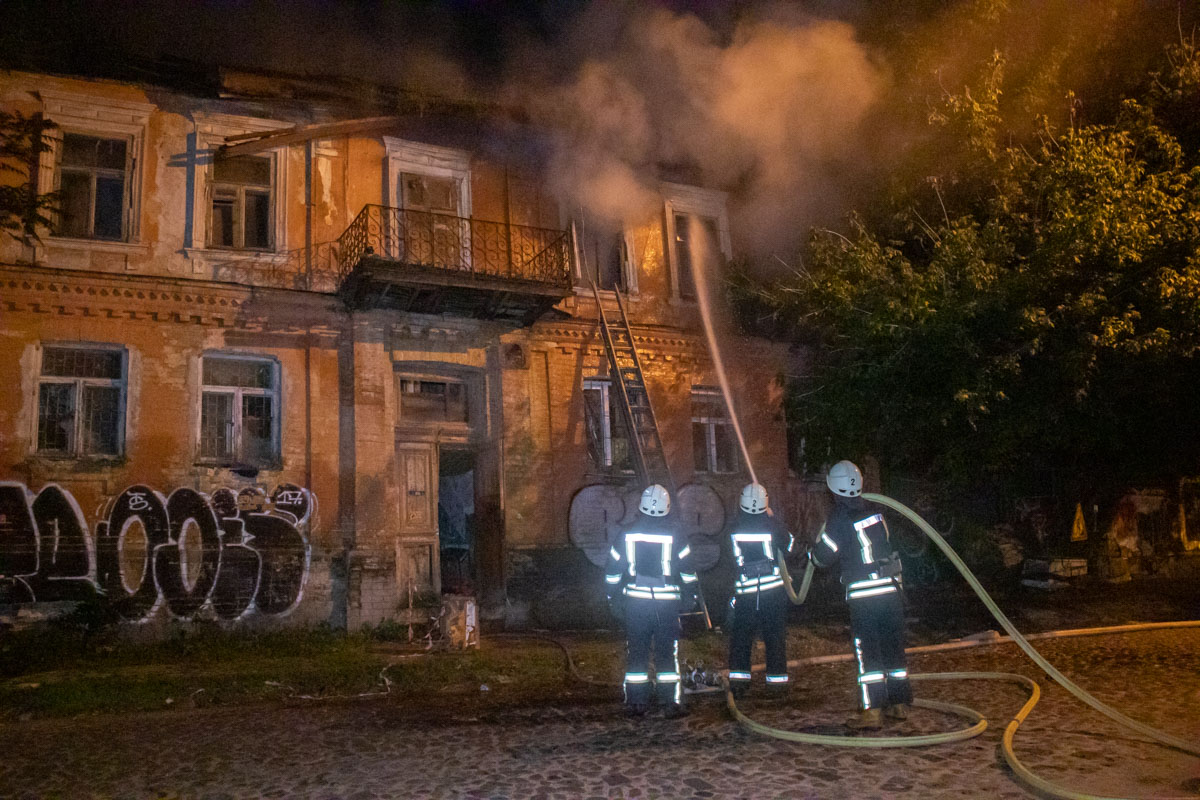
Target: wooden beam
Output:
[{"x": 244, "y": 144}]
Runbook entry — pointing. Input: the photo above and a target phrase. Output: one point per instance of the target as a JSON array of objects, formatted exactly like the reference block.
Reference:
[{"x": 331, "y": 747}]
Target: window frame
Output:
[
  {"x": 605, "y": 386},
  {"x": 710, "y": 436},
  {"x": 464, "y": 386},
  {"x": 121, "y": 384},
  {"x": 94, "y": 174},
  {"x": 239, "y": 218},
  {"x": 692, "y": 201},
  {"x": 212, "y": 130},
  {"x": 236, "y": 458},
  {"x": 580, "y": 239},
  {"x": 105, "y": 118}
]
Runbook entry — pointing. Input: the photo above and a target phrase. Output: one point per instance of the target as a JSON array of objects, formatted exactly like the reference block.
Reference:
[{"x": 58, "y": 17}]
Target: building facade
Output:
[{"x": 283, "y": 360}]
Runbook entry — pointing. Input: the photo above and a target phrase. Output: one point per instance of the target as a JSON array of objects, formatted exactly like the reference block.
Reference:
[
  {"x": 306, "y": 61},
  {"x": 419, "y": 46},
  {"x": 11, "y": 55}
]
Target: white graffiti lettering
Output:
[{"x": 229, "y": 554}]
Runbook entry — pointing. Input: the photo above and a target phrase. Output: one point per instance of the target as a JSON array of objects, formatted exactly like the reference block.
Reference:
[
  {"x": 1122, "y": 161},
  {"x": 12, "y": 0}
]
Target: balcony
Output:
[{"x": 439, "y": 264}]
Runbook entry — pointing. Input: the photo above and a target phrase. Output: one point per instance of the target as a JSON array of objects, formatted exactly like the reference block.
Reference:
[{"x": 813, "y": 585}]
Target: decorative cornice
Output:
[{"x": 118, "y": 296}]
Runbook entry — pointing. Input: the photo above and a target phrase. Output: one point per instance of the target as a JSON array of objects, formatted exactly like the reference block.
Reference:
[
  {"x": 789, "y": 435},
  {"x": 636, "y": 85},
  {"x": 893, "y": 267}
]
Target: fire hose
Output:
[{"x": 979, "y": 723}]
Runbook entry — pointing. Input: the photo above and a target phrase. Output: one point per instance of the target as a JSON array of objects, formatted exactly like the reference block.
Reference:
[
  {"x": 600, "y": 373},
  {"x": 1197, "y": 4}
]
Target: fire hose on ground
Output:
[{"x": 979, "y": 724}]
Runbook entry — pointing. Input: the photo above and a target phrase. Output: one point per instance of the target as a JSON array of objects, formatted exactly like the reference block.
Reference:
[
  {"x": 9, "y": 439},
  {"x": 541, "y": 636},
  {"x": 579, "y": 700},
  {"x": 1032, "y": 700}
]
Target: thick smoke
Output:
[{"x": 774, "y": 110}]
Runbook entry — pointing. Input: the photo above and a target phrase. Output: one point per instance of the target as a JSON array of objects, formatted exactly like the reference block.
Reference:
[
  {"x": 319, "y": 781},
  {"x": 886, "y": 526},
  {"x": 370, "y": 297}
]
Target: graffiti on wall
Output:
[{"x": 236, "y": 553}]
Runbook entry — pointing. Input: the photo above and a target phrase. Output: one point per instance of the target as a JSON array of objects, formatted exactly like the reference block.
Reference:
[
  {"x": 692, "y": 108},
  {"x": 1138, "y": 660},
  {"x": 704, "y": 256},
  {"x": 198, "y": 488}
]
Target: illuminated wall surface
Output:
[{"x": 184, "y": 376}]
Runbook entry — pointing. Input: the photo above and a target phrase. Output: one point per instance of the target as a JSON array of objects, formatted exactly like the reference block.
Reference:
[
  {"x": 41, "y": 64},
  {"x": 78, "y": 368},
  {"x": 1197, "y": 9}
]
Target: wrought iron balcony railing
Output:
[{"x": 449, "y": 244}]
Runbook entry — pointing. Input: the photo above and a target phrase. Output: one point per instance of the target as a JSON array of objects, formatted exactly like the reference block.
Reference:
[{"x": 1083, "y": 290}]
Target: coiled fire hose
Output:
[{"x": 980, "y": 724}]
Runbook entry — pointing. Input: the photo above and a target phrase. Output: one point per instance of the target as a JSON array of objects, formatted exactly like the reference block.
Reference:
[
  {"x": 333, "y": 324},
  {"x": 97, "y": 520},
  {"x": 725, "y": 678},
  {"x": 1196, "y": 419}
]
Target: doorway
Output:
[{"x": 456, "y": 520}]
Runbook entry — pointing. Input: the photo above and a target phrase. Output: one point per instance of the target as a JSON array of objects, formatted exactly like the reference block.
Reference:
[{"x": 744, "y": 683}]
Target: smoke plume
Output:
[{"x": 774, "y": 110}]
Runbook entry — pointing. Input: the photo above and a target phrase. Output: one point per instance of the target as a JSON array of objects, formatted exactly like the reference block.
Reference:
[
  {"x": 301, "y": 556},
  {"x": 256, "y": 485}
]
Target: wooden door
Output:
[{"x": 416, "y": 545}]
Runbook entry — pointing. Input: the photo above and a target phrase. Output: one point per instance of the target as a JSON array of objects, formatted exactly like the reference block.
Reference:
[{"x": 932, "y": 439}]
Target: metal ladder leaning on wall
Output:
[{"x": 625, "y": 367}]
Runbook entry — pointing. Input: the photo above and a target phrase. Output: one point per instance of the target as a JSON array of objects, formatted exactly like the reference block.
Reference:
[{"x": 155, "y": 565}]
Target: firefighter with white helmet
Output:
[
  {"x": 759, "y": 602},
  {"x": 650, "y": 564},
  {"x": 856, "y": 535}
]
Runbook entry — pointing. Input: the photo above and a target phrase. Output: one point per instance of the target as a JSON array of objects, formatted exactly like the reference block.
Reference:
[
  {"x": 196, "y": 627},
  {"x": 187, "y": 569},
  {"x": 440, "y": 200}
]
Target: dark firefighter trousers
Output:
[
  {"x": 762, "y": 612},
  {"x": 877, "y": 625},
  {"x": 654, "y": 621}
]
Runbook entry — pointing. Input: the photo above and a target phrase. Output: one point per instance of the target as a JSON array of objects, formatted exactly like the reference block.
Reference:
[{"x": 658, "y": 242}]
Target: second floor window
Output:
[
  {"x": 601, "y": 254},
  {"x": 714, "y": 443},
  {"x": 239, "y": 411},
  {"x": 608, "y": 440},
  {"x": 690, "y": 253},
  {"x": 81, "y": 401},
  {"x": 241, "y": 203},
  {"x": 93, "y": 178}
]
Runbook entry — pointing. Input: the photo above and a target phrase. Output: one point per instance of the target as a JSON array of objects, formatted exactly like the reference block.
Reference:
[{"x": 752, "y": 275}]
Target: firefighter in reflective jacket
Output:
[
  {"x": 651, "y": 564},
  {"x": 857, "y": 536},
  {"x": 759, "y": 601}
]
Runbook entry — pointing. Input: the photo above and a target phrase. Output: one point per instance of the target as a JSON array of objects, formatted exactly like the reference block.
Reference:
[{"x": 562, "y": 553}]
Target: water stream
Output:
[{"x": 703, "y": 259}]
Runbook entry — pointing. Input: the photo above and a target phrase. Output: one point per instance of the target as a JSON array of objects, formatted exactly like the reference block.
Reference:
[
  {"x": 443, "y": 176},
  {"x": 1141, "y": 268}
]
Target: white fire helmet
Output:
[
  {"x": 844, "y": 479},
  {"x": 754, "y": 499},
  {"x": 655, "y": 501}
]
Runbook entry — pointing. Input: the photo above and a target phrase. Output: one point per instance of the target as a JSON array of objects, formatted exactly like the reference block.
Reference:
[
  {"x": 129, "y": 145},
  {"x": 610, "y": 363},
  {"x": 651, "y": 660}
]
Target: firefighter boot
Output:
[
  {"x": 869, "y": 719},
  {"x": 897, "y": 711},
  {"x": 636, "y": 710}
]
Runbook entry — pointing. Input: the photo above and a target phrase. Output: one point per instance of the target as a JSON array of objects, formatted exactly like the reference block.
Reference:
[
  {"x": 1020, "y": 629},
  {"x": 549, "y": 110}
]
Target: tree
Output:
[
  {"x": 1030, "y": 314},
  {"x": 23, "y": 211}
]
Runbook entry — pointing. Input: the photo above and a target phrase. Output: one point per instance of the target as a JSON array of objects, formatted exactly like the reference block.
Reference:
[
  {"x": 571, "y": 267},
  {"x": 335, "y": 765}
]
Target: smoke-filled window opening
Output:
[
  {"x": 93, "y": 185},
  {"x": 714, "y": 442},
  {"x": 239, "y": 411},
  {"x": 689, "y": 254},
  {"x": 696, "y": 236},
  {"x": 240, "y": 214},
  {"x": 81, "y": 401},
  {"x": 608, "y": 438},
  {"x": 601, "y": 256}
]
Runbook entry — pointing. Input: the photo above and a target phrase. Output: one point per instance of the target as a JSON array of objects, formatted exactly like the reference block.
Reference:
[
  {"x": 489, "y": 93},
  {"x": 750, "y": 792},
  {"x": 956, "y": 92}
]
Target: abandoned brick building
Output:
[{"x": 291, "y": 355}]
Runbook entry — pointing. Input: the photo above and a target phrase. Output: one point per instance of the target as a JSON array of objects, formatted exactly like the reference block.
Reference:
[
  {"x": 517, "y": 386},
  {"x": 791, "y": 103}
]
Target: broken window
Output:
[
  {"x": 81, "y": 401},
  {"x": 714, "y": 442},
  {"x": 92, "y": 183},
  {"x": 241, "y": 203},
  {"x": 601, "y": 257},
  {"x": 691, "y": 254},
  {"x": 239, "y": 411},
  {"x": 432, "y": 400},
  {"x": 608, "y": 439}
]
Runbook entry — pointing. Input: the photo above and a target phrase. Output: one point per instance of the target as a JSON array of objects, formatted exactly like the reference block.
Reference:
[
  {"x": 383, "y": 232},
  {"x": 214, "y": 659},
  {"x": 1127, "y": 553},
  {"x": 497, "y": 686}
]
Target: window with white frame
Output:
[
  {"x": 241, "y": 216},
  {"x": 608, "y": 440},
  {"x": 239, "y": 410},
  {"x": 81, "y": 401},
  {"x": 93, "y": 187},
  {"x": 600, "y": 255},
  {"x": 714, "y": 443}
]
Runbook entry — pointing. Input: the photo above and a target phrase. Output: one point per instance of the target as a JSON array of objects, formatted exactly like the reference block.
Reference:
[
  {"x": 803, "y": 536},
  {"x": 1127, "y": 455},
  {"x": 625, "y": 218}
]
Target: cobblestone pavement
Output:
[{"x": 376, "y": 750}]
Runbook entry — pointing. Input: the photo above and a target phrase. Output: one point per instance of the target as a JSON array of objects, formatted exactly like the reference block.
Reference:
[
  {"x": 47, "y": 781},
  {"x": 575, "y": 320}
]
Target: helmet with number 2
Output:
[{"x": 844, "y": 479}]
